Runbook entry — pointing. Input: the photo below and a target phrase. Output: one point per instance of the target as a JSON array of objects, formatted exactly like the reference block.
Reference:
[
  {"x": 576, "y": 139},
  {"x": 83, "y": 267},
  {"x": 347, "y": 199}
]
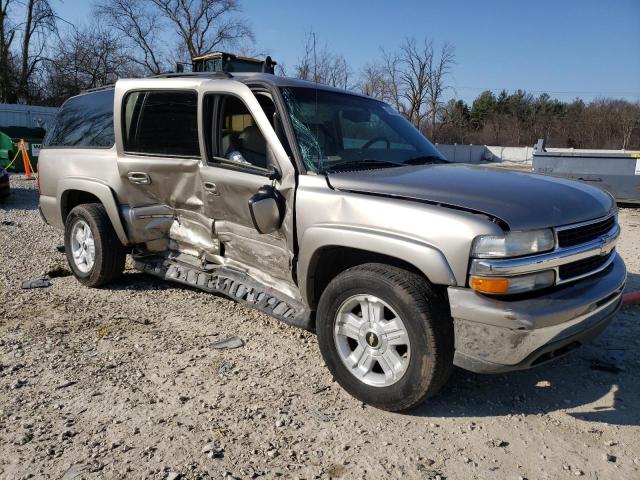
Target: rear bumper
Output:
[{"x": 496, "y": 335}]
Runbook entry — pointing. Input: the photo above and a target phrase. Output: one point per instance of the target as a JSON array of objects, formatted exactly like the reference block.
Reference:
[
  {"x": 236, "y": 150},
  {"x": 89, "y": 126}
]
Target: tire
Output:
[
  {"x": 109, "y": 254},
  {"x": 421, "y": 365}
]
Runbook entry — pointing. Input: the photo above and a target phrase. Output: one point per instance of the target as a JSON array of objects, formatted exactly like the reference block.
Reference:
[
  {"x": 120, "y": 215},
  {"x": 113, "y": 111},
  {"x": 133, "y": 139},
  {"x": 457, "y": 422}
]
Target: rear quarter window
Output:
[{"x": 85, "y": 121}]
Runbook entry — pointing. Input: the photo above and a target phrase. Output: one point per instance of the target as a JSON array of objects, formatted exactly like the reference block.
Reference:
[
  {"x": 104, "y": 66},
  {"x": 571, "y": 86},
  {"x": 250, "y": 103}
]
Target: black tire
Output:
[
  {"x": 110, "y": 255},
  {"x": 428, "y": 323}
]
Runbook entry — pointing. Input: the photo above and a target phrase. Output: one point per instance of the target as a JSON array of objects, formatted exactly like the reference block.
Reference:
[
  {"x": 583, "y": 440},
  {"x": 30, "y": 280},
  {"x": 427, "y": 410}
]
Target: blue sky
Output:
[{"x": 568, "y": 48}]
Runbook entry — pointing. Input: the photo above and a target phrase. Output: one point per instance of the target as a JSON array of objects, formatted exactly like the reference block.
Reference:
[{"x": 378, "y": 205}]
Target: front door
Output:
[{"x": 243, "y": 151}]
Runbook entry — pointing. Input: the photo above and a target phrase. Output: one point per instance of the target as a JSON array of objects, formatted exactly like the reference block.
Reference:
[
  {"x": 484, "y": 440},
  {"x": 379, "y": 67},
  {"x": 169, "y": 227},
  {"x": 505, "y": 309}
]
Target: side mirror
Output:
[{"x": 267, "y": 209}]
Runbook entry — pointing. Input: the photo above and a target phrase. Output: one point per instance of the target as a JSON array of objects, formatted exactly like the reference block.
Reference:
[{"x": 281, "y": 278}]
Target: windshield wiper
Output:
[
  {"x": 366, "y": 162},
  {"x": 425, "y": 159}
]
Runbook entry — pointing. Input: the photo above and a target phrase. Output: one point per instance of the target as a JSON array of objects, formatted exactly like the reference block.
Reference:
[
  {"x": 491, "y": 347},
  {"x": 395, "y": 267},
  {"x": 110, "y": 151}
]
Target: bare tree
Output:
[
  {"x": 336, "y": 71},
  {"x": 281, "y": 69},
  {"x": 392, "y": 87},
  {"x": 83, "y": 59},
  {"x": 422, "y": 80},
  {"x": 141, "y": 27},
  {"x": 372, "y": 81},
  {"x": 629, "y": 120},
  {"x": 7, "y": 35},
  {"x": 414, "y": 76},
  {"x": 205, "y": 25},
  {"x": 305, "y": 67},
  {"x": 438, "y": 69},
  {"x": 319, "y": 64},
  {"x": 40, "y": 20}
]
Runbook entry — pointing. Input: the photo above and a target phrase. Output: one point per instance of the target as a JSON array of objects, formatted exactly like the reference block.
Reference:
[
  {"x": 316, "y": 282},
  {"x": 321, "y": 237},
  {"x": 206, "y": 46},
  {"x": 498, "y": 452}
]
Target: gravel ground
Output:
[{"x": 123, "y": 383}]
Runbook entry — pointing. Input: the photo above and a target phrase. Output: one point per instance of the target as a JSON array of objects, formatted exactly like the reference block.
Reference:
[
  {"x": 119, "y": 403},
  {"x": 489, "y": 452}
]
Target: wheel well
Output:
[
  {"x": 73, "y": 198},
  {"x": 327, "y": 263}
]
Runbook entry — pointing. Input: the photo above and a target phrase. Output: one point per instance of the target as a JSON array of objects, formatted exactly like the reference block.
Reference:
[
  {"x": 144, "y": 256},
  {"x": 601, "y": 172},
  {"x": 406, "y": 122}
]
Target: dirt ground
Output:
[{"x": 123, "y": 383}]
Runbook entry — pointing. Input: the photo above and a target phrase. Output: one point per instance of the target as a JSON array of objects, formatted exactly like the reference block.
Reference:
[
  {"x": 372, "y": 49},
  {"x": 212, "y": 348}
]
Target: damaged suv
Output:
[{"x": 329, "y": 211}]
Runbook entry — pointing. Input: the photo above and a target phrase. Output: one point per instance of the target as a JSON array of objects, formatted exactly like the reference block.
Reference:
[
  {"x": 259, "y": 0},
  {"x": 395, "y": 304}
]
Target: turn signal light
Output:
[
  {"x": 516, "y": 284},
  {"x": 495, "y": 286}
]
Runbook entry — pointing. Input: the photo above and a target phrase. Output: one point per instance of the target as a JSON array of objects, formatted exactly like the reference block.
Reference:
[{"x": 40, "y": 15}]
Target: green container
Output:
[{"x": 33, "y": 139}]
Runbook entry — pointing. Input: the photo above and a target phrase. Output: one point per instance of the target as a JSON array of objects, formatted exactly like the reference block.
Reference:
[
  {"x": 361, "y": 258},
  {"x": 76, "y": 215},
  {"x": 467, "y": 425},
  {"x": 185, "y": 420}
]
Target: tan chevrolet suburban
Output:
[{"x": 328, "y": 210}]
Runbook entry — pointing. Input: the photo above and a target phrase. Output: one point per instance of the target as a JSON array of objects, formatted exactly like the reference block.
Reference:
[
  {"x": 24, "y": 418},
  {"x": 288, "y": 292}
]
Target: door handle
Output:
[
  {"x": 210, "y": 187},
  {"x": 139, "y": 178}
]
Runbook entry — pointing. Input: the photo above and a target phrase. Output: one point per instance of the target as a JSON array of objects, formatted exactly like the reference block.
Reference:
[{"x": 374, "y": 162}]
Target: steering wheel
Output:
[{"x": 377, "y": 139}]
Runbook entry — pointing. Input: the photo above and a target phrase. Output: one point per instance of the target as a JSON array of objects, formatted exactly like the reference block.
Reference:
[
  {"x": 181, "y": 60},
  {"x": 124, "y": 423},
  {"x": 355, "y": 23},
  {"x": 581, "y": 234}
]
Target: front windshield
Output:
[{"x": 339, "y": 131}]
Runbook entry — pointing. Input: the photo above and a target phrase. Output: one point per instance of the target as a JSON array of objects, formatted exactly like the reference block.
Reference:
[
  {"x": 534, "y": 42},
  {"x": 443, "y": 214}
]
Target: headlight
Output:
[
  {"x": 509, "y": 285},
  {"x": 513, "y": 244}
]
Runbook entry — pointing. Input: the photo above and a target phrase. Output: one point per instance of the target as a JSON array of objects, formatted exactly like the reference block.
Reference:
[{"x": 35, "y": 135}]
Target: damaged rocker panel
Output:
[{"x": 233, "y": 284}]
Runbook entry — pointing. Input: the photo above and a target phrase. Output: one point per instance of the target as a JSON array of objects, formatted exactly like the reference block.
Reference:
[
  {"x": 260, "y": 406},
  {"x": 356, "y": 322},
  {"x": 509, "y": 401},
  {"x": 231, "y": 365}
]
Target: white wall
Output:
[
  {"x": 462, "y": 153},
  {"x": 491, "y": 153}
]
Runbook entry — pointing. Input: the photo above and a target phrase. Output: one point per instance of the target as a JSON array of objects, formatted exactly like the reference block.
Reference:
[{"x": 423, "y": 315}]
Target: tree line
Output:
[
  {"x": 415, "y": 78},
  {"x": 44, "y": 60}
]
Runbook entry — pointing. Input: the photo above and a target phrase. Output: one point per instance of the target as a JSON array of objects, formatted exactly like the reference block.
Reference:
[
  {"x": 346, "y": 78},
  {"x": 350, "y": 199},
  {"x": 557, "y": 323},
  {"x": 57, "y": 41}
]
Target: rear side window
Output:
[
  {"x": 161, "y": 123},
  {"x": 84, "y": 121}
]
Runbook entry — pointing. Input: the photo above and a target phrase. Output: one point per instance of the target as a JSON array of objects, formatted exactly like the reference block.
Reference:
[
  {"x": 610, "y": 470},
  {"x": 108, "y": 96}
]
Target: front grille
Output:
[
  {"x": 584, "y": 233},
  {"x": 582, "y": 267}
]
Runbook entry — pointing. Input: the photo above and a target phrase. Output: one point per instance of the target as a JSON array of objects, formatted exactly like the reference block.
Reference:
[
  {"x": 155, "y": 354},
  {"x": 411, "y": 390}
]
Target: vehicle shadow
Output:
[
  {"x": 20, "y": 199},
  {"x": 140, "y": 281},
  {"x": 596, "y": 383}
]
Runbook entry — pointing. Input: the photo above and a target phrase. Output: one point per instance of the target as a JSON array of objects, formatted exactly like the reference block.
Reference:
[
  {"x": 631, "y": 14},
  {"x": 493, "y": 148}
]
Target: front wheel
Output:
[
  {"x": 93, "y": 250},
  {"x": 386, "y": 335}
]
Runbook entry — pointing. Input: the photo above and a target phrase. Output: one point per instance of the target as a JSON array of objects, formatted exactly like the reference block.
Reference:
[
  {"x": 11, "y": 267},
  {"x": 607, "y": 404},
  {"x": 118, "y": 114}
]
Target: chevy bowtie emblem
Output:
[
  {"x": 372, "y": 339},
  {"x": 606, "y": 245}
]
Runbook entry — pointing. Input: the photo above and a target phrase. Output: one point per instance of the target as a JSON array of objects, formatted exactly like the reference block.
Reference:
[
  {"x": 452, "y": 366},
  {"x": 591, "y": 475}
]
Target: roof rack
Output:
[
  {"x": 97, "y": 89},
  {"x": 193, "y": 74}
]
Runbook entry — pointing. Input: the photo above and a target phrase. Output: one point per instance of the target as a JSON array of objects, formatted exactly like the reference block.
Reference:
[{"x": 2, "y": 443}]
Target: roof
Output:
[
  {"x": 275, "y": 80},
  {"x": 243, "y": 77}
]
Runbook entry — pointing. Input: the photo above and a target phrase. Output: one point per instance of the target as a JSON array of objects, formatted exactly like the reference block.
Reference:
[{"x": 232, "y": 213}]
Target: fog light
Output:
[{"x": 509, "y": 285}]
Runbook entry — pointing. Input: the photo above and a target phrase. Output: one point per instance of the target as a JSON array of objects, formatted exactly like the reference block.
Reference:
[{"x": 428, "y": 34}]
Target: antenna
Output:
[{"x": 315, "y": 80}]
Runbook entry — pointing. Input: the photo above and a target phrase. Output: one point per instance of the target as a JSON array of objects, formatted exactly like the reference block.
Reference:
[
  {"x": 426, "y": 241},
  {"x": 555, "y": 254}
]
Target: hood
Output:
[{"x": 524, "y": 201}]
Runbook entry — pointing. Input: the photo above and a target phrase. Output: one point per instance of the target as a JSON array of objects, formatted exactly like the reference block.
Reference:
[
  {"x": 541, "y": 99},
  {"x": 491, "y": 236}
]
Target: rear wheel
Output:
[
  {"x": 386, "y": 335},
  {"x": 93, "y": 250}
]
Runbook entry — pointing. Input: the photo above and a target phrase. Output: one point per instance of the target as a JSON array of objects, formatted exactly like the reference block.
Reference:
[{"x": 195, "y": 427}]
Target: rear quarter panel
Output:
[{"x": 61, "y": 167}]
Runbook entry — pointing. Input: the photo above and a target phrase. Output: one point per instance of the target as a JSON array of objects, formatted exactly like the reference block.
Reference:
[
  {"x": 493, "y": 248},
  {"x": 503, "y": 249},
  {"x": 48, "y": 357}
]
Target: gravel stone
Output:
[{"x": 177, "y": 406}]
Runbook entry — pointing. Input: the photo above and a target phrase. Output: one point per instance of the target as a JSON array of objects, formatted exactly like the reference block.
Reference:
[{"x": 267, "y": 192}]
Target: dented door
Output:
[{"x": 242, "y": 152}]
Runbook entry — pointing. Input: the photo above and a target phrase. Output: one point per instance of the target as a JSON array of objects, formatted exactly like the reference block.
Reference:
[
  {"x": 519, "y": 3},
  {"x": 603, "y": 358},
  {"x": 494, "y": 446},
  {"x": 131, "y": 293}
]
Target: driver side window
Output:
[{"x": 240, "y": 141}]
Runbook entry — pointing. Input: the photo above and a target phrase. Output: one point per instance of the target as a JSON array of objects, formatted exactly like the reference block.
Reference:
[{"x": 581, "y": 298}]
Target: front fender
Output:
[
  {"x": 102, "y": 192},
  {"x": 425, "y": 257}
]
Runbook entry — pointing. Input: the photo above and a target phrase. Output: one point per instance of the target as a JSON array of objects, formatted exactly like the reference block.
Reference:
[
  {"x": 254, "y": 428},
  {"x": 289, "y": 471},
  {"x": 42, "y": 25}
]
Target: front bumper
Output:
[{"x": 495, "y": 335}]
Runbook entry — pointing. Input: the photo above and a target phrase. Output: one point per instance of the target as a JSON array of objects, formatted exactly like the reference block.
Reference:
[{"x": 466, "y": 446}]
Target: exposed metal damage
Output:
[{"x": 233, "y": 284}]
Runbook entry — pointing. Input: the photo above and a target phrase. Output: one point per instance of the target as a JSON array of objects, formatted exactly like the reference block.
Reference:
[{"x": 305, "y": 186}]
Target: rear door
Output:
[
  {"x": 159, "y": 164},
  {"x": 241, "y": 150}
]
